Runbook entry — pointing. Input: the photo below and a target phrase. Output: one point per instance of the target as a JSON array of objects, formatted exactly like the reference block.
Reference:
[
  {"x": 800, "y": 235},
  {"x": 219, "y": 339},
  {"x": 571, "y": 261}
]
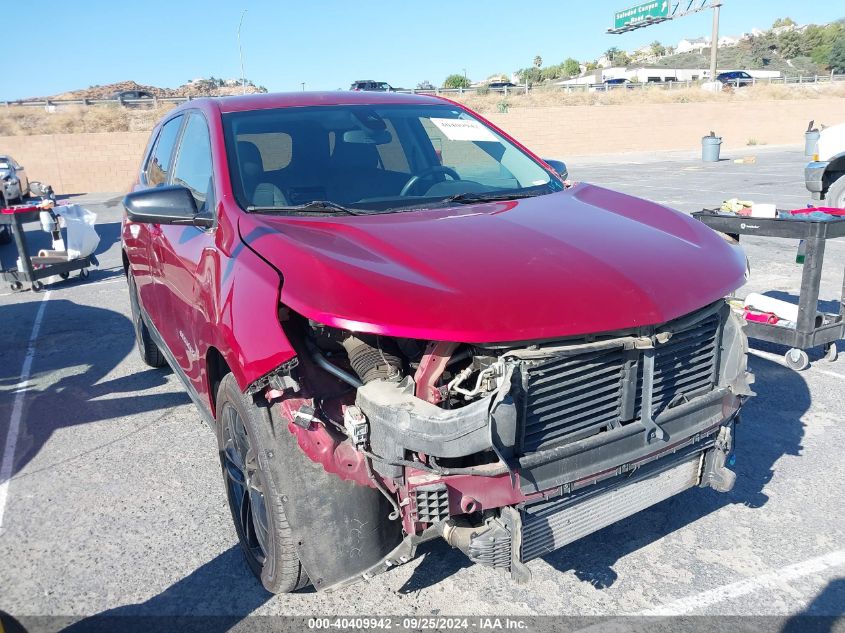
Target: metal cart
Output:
[
  {"x": 807, "y": 332},
  {"x": 15, "y": 218}
]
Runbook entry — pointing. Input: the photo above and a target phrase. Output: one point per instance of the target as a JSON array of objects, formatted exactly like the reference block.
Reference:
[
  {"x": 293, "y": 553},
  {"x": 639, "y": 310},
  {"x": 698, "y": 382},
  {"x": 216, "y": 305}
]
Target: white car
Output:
[
  {"x": 15, "y": 184},
  {"x": 825, "y": 175}
]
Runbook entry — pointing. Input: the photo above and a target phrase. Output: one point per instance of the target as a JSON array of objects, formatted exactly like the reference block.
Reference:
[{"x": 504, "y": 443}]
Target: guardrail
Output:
[{"x": 505, "y": 91}]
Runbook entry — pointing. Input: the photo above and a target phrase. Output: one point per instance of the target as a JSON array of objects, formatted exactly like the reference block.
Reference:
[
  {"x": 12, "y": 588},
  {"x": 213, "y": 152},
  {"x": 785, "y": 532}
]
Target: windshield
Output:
[{"x": 374, "y": 158}]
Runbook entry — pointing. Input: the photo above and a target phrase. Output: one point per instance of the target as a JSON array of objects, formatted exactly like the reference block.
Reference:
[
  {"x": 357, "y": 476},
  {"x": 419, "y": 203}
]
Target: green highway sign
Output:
[{"x": 646, "y": 11}]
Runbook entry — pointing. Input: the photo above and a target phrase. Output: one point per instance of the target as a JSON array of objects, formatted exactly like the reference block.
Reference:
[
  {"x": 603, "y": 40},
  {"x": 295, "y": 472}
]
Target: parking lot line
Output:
[
  {"x": 744, "y": 587},
  {"x": 7, "y": 464}
]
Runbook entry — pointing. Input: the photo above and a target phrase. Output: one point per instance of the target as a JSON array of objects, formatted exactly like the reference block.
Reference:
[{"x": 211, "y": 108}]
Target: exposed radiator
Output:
[
  {"x": 571, "y": 398},
  {"x": 549, "y": 525},
  {"x": 567, "y": 399}
]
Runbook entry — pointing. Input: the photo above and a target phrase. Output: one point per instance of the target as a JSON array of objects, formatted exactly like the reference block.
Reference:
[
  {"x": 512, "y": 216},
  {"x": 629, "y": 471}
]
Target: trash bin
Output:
[
  {"x": 811, "y": 142},
  {"x": 710, "y": 148}
]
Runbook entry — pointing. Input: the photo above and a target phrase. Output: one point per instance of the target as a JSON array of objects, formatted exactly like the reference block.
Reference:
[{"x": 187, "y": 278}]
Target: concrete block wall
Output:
[{"x": 79, "y": 163}]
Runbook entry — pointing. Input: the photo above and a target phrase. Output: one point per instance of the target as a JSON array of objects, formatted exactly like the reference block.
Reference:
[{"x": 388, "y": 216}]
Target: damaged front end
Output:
[{"x": 507, "y": 451}]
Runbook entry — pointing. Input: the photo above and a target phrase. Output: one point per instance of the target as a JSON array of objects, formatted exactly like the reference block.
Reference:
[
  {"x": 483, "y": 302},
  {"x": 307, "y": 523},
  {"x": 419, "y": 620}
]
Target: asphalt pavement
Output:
[{"x": 115, "y": 505}]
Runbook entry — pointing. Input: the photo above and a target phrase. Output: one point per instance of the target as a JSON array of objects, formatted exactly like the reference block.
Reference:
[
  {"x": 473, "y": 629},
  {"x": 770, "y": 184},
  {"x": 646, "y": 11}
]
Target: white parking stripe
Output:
[
  {"x": 777, "y": 578},
  {"x": 17, "y": 410}
]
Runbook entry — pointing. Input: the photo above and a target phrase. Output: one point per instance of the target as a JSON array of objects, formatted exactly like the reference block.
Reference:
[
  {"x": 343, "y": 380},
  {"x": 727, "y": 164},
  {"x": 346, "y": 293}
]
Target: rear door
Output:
[{"x": 188, "y": 257}]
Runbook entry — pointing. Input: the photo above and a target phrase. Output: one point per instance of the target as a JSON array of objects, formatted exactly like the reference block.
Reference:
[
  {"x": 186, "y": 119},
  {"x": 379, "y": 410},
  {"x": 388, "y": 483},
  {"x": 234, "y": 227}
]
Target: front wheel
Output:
[{"x": 255, "y": 494}]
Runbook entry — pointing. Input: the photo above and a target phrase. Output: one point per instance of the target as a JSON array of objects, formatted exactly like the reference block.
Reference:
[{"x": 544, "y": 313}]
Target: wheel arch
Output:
[
  {"x": 834, "y": 171},
  {"x": 216, "y": 369}
]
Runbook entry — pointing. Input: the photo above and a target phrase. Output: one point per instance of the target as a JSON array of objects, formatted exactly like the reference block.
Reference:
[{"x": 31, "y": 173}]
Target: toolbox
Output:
[
  {"x": 810, "y": 330},
  {"x": 26, "y": 272}
]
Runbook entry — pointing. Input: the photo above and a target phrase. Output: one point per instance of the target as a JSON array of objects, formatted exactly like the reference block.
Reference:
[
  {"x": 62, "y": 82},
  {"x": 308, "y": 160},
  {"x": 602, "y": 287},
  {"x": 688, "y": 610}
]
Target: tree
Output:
[
  {"x": 789, "y": 44},
  {"x": 837, "y": 54},
  {"x": 657, "y": 49},
  {"x": 783, "y": 22},
  {"x": 760, "y": 50},
  {"x": 611, "y": 53},
  {"x": 425, "y": 84},
  {"x": 589, "y": 66},
  {"x": 571, "y": 67},
  {"x": 530, "y": 76},
  {"x": 538, "y": 61},
  {"x": 456, "y": 81}
]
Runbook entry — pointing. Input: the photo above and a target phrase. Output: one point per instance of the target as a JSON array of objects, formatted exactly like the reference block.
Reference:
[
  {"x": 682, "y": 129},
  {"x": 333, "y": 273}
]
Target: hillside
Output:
[
  {"x": 203, "y": 88},
  {"x": 741, "y": 57}
]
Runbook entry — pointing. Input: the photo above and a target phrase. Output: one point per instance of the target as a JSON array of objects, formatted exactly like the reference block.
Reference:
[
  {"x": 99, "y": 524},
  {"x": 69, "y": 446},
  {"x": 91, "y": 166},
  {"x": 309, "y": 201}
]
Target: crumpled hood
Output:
[{"x": 580, "y": 261}]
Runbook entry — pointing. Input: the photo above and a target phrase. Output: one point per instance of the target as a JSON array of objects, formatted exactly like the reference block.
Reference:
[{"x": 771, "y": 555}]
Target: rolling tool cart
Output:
[
  {"x": 812, "y": 328},
  {"x": 15, "y": 217}
]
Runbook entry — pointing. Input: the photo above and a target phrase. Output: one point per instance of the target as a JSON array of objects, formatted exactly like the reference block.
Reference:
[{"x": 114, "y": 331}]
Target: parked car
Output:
[
  {"x": 403, "y": 325},
  {"x": 825, "y": 174},
  {"x": 368, "y": 85},
  {"x": 735, "y": 79},
  {"x": 15, "y": 184},
  {"x": 500, "y": 85},
  {"x": 135, "y": 98}
]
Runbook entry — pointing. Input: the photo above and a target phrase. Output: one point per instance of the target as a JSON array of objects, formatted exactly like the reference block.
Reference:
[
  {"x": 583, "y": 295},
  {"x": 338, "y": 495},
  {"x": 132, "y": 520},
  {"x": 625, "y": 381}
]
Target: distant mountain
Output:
[{"x": 210, "y": 87}]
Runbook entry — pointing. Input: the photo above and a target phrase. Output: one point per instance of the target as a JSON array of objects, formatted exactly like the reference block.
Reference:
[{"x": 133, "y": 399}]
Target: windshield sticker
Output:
[{"x": 463, "y": 130}]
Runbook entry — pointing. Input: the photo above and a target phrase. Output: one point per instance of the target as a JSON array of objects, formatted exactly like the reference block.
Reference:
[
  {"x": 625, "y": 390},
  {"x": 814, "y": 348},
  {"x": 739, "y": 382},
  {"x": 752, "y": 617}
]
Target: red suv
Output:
[{"x": 403, "y": 325}]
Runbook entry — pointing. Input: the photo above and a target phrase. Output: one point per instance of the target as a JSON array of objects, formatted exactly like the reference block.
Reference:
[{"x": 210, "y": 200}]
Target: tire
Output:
[
  {"x": 255, "y": 492},
  {"x": 835, "y": 196},
  {"x": 149, "y": 351},
  {"x": 797, "y": 359}
]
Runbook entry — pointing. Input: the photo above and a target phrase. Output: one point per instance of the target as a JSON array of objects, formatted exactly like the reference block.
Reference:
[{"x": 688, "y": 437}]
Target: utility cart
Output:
[
  {"x": 15, "y": 217},
  {"x": 811, "y": 329}
]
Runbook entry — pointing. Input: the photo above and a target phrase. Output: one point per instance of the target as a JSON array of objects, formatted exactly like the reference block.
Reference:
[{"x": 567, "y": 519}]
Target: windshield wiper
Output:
[
  {"x": 488, "y": 197},
  {"x": 315, "y": 205}
]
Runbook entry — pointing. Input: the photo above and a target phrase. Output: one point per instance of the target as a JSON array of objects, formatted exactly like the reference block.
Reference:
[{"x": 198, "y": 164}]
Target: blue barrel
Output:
[
  {"x": 811, "y": 142},
  {"x": 710, "y": 148}
]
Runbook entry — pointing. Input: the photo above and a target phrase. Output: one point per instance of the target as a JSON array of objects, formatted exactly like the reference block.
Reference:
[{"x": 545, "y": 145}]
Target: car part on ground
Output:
[{"x": 403, "y": 326}]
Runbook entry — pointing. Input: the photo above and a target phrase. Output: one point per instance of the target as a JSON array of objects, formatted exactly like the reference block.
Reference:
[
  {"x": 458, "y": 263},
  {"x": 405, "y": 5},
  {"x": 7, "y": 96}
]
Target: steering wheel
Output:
[{"x": 425, "y": 173}]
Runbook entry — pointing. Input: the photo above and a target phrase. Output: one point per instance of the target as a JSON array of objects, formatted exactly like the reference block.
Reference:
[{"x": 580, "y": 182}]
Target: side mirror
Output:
[
  {"x": 173, "y": 204},
  {"x": 559, "y": 166}
]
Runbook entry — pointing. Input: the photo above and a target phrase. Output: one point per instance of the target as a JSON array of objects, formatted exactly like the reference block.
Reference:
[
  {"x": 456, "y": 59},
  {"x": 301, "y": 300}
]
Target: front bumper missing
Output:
[{"x": 520, "y": 534}]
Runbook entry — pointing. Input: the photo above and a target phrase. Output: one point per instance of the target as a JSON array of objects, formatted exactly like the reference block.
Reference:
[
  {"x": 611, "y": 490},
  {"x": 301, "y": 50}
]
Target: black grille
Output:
[
  {"x": 571, "y": 398},
  {"x": 432, "y": 503},
  {"x": 684, "y": 366}
]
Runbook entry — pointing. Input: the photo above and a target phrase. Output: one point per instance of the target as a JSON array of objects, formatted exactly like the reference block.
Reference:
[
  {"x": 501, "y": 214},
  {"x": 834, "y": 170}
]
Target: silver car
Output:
[{"x": 15, "y": 184}]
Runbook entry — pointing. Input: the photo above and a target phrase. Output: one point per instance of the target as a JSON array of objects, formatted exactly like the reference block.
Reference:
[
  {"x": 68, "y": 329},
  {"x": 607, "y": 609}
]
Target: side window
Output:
[
  {"x": 193, "y": 161},
  {"x": 159, "y": 164}
]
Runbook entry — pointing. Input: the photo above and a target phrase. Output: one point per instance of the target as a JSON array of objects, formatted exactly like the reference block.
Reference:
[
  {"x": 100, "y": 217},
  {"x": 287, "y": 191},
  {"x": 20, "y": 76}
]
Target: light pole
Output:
[
  {"x": 241, "y": 53},
  {"x": 303, "y": 86},
  {"x": 714, "y": 43}
]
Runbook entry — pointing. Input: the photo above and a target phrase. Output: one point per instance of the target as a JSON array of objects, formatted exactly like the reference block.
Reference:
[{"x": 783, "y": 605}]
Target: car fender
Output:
[{"x": 248, "y": 334}]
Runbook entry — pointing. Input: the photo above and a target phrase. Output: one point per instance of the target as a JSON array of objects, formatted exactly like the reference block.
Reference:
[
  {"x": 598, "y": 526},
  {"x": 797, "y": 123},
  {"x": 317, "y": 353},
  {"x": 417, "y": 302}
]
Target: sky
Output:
[{"x": 327, "y": 44}]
